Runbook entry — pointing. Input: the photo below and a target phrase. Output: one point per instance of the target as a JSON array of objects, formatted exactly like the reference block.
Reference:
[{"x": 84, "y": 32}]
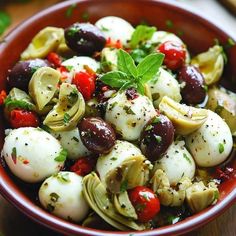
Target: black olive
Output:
[
  {"x": 20, "y": 75},
  {"x": 157, "y": 136},
  {"x": 97, "y": 135},
  {"x": 192, "y": 91},
  {"x": 84, "y": 38}
]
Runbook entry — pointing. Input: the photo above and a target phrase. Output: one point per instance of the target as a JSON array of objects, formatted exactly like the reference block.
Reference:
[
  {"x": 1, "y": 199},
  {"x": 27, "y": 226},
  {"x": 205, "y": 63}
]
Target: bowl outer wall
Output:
[{"x": 186, "y": 21}]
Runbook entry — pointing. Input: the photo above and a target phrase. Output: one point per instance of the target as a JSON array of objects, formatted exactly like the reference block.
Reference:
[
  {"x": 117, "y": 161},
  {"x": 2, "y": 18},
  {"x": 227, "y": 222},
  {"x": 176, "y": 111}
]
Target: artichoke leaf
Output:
[
  {"x": 210, "y": 63},
  {"x": 167, "y": 195},
  {"x": 186, "y": 119},
  {"x": 47, "y": 40},
  {"x": 70, "y": 108},
  {"x": 199, "y": 196},
  {"x": 18, "y": 98},
  {"x": 124, "y": 206},
  {"x": 43, "y": 86},
  {"x": 131, "y": 173},
  {"x": 223, "y": 102},
  {"x": 97, "y": 197}
]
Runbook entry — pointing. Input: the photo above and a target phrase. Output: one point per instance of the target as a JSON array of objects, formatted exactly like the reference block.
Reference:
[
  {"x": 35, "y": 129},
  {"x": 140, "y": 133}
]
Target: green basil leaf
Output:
[
  {"x": 141, "y": 33},
  {"x": 149, "y": 66},
  {"x": 115, "y": 79},
  {"x": 140, "y": 88},
  {"x": 125, "y": 63}
]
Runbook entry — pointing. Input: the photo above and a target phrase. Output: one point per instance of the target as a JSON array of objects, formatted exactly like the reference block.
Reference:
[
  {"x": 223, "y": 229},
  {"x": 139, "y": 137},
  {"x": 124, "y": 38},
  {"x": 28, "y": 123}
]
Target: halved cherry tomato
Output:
[
  {"x": 175, "y": 54},
  {"x": 3, "y": 95},
  {"x": 22, "y": 118},
  {"x": 54, "y": 58},
  {"x": 85, "y": 84},
  {"x": 84, "y": 165},
  {"x": 145, "y": 202}
]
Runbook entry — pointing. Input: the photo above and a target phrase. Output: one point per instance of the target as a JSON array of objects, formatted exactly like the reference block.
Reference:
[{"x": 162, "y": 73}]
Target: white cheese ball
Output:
[
  {"x": 164, "y": 84},
  {"x": 62, "y": 195},
  {"x": 129, "y": 116},
  {"x": 76, "y": 64},
  {"x": 212, "y": 143},
  {"x": 177, "y": 162},
  {"x": 30, "y": 154},
  {"x": 115, "y": 28},
  {"x": 71, "y": 141},
  {"x": 121, "y": 151}
]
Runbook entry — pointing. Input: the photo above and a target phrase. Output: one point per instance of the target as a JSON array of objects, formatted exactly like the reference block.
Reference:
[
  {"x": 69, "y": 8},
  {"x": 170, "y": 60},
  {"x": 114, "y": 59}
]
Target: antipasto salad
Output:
[{"x": 118, "y": 124}]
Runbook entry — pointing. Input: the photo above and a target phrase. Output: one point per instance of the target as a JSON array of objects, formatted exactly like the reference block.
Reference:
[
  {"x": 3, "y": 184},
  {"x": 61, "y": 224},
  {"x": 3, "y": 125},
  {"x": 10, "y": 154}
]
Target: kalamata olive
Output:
[
  {"x": 20, "y": 75},
  {"x": 192, "y": 91},
  {"x": 156, "y": 137},
  {"x": 97, "y": 135},
  {"x": 84, "y": 38}
]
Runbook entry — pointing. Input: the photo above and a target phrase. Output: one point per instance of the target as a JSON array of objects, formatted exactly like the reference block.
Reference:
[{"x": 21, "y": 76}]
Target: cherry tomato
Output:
[
  {"x": 84, "y": 165},
  {"x": 3, "y": 95},
  {"x": 54, "y": 58},
  {"x": 145, "y": 202},
  {"x": 85, "y": 84},
  {"x": 175, "y": 54},
  {"x": 22, "y": 118}
]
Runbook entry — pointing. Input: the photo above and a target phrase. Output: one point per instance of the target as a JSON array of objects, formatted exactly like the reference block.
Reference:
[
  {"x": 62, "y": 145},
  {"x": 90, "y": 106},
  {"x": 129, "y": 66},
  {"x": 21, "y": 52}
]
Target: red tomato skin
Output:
[
  {"x": 85, "y": 84},
  {"x": 175, "y": 54},
  {"x": 83, "y": 166},
  {"x": 54, "y": 58},
  {"x": 22, "y": 118},
  {"x": 145, "y": 202}
]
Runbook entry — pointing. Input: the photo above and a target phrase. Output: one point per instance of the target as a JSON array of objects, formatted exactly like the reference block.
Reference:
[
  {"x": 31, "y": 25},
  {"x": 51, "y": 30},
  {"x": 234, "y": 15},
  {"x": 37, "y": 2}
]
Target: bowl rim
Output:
[{"x": 48, "y": 220}]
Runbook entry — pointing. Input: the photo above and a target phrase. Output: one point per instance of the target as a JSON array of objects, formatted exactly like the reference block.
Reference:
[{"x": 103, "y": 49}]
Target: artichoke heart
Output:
[
  {"x": 199, "y": 196},
  {"x": 186, "y": 119},
  {"x": 124, "y": 206},
  {"x": 70, "y": 108},
  {"x": 43, "y": 86},
  {"x": 223, "y": 102},
  {"x": 47, "y": 40},
  {"x": 210, "y": 63},
  {"x": 131, "y": 173},
  {"x": 18, "y": 99},
  {"x": 97, "y": 197},
  {"x": 169, "y": 196}
]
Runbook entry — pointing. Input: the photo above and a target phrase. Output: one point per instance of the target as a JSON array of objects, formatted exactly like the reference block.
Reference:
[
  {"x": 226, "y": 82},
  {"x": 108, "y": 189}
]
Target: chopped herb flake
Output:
[
  {"x": 169, "y": 24},
  {"x": 221, "y": 147},
  {"x": 62, "y": 177},
  {"x": 54, "y": 197},
  {"x": 158, "y": 138},
  {"x": 50, "y": 207},
  {"x": 149, "y": 127},
  {"x": 62, "y": 156},
  {"x": 114, "y": 158},
  {"x": 14, "y": 155},
  {"x": 76, "y": 139},
  {"x": 156, "y": 120},
  {"x": 124, "y": 186},
  {"x": 70, "y": 10},
  {"x": 66, "y": 118},
  {"x": 187, "y": 158},
  {"x": 128, "y": 110}
]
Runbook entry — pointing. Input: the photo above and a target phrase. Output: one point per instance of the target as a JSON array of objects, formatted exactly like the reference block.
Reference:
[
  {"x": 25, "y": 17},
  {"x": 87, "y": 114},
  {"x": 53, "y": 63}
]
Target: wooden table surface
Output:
[{"x": 14, "y": 223}]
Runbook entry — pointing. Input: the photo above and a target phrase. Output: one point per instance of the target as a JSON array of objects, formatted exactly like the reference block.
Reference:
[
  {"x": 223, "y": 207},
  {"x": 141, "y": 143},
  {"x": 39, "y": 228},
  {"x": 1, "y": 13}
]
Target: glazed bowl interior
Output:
[{"x": 198, "y": 34}]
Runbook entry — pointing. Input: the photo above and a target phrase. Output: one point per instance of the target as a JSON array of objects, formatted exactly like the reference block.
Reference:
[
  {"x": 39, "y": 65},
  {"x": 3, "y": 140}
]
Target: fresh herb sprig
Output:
[{"x": 129, "y": 75}]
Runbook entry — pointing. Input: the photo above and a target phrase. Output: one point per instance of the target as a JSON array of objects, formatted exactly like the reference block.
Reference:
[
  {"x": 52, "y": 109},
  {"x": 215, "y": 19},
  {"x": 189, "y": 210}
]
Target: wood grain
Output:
[{"x": 14, "y": 223}]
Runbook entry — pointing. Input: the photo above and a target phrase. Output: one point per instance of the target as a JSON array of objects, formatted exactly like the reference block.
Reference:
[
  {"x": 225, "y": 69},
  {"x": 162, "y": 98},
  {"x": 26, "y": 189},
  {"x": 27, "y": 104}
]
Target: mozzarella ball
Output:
[
  {"x": 212, "y": 143},
  {"x": 129, "y": 116},
  {"x": 77, "y": 64},
  {"x": 177, "y": 162},
  {"x": 62, "y": 195},
  {"x": 164, "y": 84},
  {"x": 122, "y": 151},
  {"x": 115, "y": 28},
  {"x": 30, "y": 154},
  {"x": 71, "y": 141}
]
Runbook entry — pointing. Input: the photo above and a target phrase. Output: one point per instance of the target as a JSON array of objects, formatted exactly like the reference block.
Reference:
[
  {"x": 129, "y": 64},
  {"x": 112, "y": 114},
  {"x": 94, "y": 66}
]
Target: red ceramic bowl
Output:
[{"x": 198, "y": 33}]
